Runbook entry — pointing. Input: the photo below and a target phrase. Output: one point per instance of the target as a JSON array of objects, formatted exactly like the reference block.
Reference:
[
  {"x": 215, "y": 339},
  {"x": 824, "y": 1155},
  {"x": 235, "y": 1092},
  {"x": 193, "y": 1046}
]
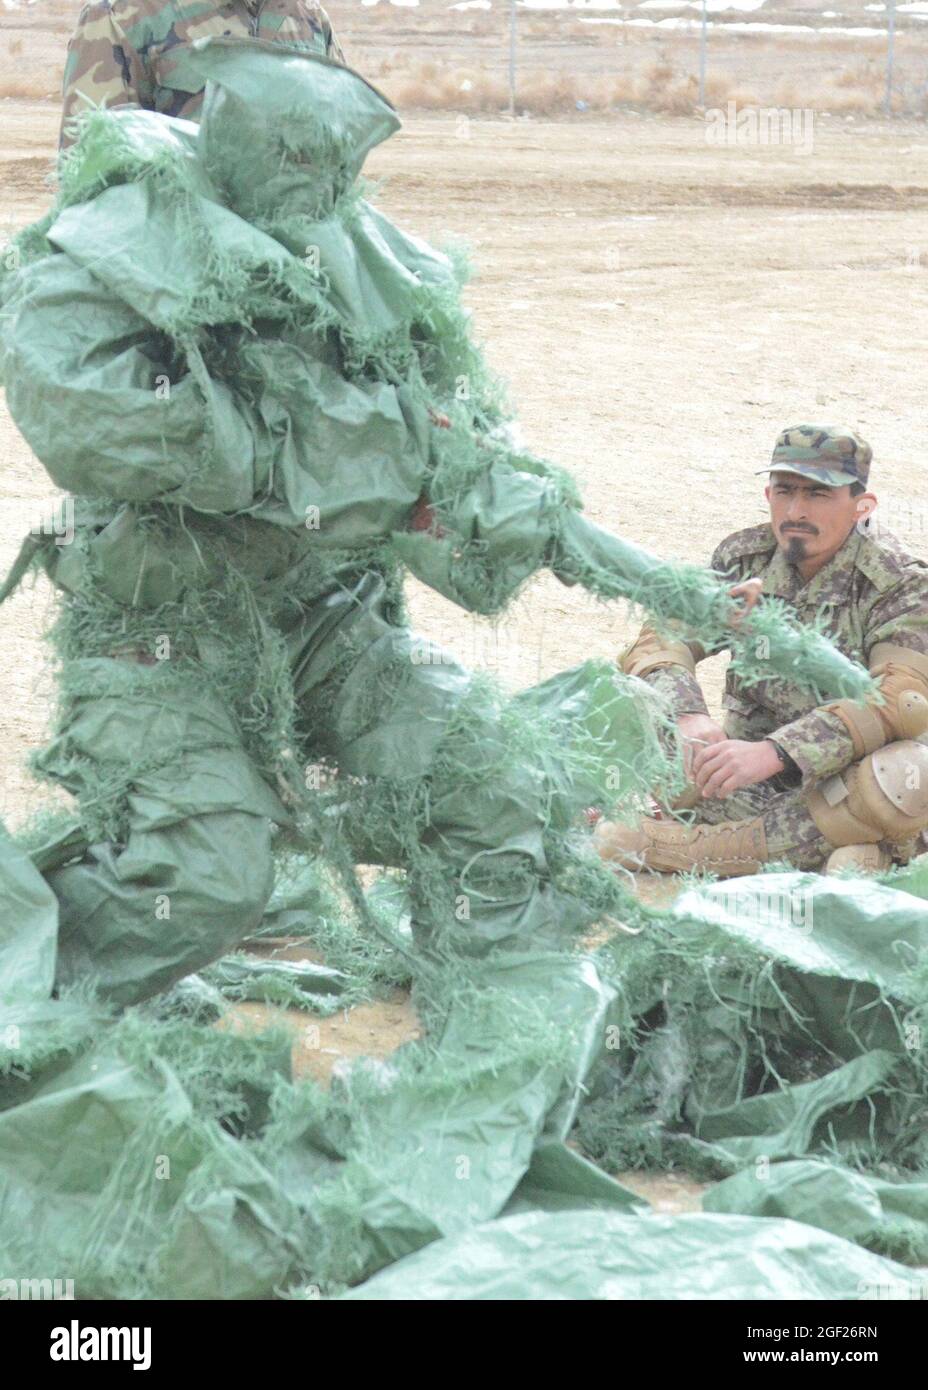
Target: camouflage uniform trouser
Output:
[{"x": 792, "y": 834}]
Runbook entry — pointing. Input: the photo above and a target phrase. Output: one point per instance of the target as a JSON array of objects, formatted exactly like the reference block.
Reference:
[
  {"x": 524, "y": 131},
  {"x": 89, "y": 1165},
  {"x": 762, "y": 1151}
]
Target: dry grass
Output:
[
  {"x": 865, "y": 74},
  {"x": 430, "y": 89},
  {"x": 436, "y": 59},
  {"x": 662, "y": 86}
]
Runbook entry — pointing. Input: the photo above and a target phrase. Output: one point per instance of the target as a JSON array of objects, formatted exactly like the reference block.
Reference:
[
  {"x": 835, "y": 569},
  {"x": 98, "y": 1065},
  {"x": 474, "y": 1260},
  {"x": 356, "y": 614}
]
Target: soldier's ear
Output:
[{"x": 865, "y": 505}]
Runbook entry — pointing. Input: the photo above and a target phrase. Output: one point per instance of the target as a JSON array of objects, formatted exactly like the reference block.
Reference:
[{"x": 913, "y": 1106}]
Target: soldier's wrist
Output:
[
  {"x": 787, "y": 767},
  {"x": 781, "y": 756}
]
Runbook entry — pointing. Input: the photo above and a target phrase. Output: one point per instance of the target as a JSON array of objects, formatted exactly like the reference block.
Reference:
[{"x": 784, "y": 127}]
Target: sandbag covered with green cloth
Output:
[
  {"x": 194, "y": 1168},
  {"x": 286, "y": 438},
  {"x": 609, "y": 724},
  {"x": 851, "y": 928},
  {"x": 461, "y": 787},
  {"x": 890, "y": 1217},
  {"x": 560, "y": 1179},
  {"x": 36, "y": 1032},
  {"x": 793, "y": 1119},
  {"x": 611, "y": 1256},
  {"x": 445, "y": 1133},
  {"x": 297, "y": 984},
  {"x": 111, "y": 431},
  {"x": 275, "y": 105},
  {"x": 243, "y": 430},
  {"x": 471, "y": 792}
]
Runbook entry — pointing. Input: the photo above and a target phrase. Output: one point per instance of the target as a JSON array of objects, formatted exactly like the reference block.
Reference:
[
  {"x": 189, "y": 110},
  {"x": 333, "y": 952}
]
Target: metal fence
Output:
[{"x": 703, "y": 55}]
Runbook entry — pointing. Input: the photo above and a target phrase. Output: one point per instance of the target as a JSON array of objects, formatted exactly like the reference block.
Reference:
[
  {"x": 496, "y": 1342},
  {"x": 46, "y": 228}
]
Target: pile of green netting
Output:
[
  {"x": 267, "y": 406},
  {"x": 150, "y": 1154}
]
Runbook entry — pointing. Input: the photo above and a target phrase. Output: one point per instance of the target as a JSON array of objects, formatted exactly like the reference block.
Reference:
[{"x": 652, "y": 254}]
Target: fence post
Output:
[
  {"x": 512, "y": 57},
  {"x": 890, "y": 55}
]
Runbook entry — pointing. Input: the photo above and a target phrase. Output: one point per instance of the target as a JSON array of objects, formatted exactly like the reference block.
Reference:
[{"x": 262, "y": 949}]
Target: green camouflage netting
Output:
[{"x": 266, "y": 404}]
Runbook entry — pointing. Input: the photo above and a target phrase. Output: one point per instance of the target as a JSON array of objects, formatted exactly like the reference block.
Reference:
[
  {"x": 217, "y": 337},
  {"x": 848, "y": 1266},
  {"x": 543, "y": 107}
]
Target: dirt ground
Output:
[{"x": 661, "y": 307}]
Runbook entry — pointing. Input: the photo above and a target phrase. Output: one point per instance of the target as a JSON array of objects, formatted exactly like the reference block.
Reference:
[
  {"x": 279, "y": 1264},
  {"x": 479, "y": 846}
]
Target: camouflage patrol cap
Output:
[{"x": 826, "y": 453}]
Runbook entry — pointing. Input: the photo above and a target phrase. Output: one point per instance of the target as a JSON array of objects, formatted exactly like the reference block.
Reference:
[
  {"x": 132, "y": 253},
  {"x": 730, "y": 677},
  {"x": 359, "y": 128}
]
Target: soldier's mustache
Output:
[{"x": 799, "y": 526}]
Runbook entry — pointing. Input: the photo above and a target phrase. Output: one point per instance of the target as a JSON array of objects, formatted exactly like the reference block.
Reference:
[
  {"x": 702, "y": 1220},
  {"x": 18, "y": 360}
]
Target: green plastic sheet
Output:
[
  {"x": 605, "y": 1255},
  {"x": 875, "y": 1212},
  {"x": 776, "y": 1017}
]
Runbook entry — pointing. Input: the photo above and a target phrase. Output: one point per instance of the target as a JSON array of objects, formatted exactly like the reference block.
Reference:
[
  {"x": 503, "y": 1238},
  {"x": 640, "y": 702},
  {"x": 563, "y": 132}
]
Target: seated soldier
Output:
[{"x": 844, "y": 784}]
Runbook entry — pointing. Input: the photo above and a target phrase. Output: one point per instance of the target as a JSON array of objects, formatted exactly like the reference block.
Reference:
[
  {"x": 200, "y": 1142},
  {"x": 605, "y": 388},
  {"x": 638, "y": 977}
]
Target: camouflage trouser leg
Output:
[{"x": 792, "y": 834}]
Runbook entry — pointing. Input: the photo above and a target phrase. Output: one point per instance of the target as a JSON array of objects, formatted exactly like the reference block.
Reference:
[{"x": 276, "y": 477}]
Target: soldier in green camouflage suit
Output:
[
  {"x": 764, "y": 787},
  {"x": 135, "y": 51}
]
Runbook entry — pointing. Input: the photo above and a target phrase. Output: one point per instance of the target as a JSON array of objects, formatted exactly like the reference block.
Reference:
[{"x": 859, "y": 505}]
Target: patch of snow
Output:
[{"x": 691, "y": 26}]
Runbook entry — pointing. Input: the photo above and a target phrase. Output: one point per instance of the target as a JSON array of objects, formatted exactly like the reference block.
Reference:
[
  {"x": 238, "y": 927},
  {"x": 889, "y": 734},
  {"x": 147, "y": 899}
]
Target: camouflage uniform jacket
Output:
[
  {"x": 135, "y": 51},
  {"x": 871, "y": 591}
]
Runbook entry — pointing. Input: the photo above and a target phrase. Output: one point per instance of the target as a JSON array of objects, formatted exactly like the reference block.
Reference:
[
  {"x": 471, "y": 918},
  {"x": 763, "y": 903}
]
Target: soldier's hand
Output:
[
  {"x": 724, "y": 768},
  {"x": 697, "y": 730},
  {"x": 749, "y": 590}
]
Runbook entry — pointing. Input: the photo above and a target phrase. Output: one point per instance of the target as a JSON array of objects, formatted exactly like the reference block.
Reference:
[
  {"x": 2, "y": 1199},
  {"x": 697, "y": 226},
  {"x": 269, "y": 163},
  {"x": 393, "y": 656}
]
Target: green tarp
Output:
[
  {"x": 255, "y": 396},
  {"x": 606, "y": 1255},
  {"x": 773, "y": 1018},
  {"x": 875, "y": 1212}
]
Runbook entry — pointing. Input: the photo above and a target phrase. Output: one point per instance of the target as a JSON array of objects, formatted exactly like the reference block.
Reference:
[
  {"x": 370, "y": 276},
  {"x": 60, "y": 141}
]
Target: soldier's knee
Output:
[
  {"x": 651, "y": 652},
  {"x": 881, "y": 798}
]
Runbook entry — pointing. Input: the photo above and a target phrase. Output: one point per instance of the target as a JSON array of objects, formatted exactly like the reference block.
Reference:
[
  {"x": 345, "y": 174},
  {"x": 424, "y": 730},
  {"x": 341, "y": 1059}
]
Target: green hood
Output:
[{"x": 283, "y": 130}]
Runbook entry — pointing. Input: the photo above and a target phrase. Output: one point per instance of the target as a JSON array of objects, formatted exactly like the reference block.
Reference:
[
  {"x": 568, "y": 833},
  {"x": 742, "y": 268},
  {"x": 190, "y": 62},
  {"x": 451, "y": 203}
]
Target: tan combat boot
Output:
[
  {"x": 732, "y": 848},
  {"x": 866, "y": 859}
]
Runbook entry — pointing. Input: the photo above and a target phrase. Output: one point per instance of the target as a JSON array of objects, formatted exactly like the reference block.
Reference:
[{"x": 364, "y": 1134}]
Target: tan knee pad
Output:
[
  {"x": 903, "y": 713},
  {"x": 651, "y": 652},
  {"x": 883, "y": 797}
]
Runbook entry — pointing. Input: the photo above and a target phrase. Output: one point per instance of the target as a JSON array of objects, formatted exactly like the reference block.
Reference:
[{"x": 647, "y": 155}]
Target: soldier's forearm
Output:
[
  {"x": 818, "y": 743},
  {"x": 681, "y": 688}
]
